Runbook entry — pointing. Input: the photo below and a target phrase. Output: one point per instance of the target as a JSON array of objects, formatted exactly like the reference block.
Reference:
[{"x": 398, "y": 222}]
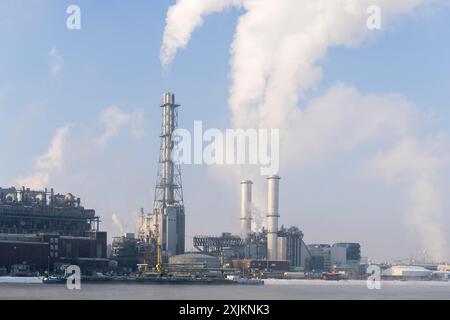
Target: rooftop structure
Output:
[
  {"x": 42, "y": 229},
  {"x": 24, "y": 211}
]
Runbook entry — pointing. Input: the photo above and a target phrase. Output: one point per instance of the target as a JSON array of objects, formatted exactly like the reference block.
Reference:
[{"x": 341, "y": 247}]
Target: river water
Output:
[{"x": 273, "y": 289}]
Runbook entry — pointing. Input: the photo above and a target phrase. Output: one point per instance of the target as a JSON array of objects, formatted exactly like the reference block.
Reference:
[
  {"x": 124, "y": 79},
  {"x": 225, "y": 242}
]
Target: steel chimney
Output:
[
  {"x": 246, "y": 208},
  {"x": 272, "y": 217}
]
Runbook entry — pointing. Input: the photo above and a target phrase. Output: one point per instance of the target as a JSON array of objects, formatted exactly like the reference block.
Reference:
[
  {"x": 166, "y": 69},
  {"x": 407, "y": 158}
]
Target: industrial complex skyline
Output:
[{"x": 363, "y": 115}]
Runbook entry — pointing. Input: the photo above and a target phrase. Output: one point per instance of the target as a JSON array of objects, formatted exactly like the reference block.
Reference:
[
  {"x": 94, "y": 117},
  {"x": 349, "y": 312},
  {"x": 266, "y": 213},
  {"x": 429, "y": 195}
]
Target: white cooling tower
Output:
[
  {"x": 272, "y": 217},
  {"x": 246, "y": 208}
]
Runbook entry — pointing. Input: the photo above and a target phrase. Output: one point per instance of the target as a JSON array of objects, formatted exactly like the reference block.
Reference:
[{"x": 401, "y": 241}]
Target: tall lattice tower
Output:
[{"x": 168, "y": 207}]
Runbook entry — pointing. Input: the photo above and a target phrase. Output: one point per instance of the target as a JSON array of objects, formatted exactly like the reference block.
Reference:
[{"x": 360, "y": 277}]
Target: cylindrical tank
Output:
[
  {"x": 272, "y": 217},
  {"x": 246, "y": 208}
]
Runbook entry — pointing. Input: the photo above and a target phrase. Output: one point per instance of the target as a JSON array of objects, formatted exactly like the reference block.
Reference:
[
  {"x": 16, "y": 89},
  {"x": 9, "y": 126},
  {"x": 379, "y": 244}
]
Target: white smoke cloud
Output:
[
  {"x": 115, "y": 119},
  {"x": 343, "y": 120},
  {"x": 276, "y": 47},
  {"x": 116, "y": 221},
  {"x": 417, "y": 164},
  {"x": 47, "y": 163},
  {"x": 56, "y": 62},
  {"x": 182, "y": 19},
  {"x": 276, "y": 55}
]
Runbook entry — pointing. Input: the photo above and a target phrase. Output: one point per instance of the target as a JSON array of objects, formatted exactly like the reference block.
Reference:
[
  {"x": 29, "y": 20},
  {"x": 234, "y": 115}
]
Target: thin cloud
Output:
[
  {"x": 47, "y": 163},
  {"x": 56, "y": 62},
  {"x": 114, "y": 120}
]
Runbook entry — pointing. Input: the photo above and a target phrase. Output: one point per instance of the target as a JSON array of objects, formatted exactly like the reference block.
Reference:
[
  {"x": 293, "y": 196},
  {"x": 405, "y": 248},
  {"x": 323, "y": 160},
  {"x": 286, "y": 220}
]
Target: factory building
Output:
[
  {"x": 320, "y": 257},
  {"x": 194, "y": 265},
  {"x": 345, "y": 257},
  {"x": 293, "y": 249},
  {"x": 129, "y": 252},
  {"x": 25, "y": 211},
  {"x": 41, "y": 229},
  {"x": 249, "y": 265},
  {"x": 271, "y": 248},
  {"x": 256, "y": 246},
  {"x": 407, "y": 273},
  {"x": 192, "y": 260}
]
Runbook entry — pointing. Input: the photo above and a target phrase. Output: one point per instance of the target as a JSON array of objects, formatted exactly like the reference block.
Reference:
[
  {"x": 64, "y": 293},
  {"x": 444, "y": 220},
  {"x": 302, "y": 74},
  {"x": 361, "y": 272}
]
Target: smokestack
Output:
[
  {"x": 272, "y": 217},
  {"x": 246, "y": 208},
  {"x": 167, "y": 131}
]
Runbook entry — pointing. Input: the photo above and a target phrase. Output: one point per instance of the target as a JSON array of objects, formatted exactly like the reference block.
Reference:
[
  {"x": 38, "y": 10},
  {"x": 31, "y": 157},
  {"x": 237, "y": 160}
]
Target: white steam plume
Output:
[
  {"x": 420, "y": 173},
  {"x": 117, "y": 223},
  {"x": 276, "y": 52},
  {"x": 182, "y": 19},
  {"x": 47, "y": 163}
]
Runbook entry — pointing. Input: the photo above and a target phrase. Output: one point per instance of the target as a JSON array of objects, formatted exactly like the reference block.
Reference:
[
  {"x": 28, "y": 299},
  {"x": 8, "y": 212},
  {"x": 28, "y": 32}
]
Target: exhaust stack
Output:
[
  {"x": 246, "y": 208},
  {"x": 272, "y": 217}
]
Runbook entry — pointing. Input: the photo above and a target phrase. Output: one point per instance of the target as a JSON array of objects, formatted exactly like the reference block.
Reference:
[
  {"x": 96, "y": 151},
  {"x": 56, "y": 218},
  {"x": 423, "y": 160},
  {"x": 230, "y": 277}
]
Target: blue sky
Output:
[{"x": 114, "y": 60}]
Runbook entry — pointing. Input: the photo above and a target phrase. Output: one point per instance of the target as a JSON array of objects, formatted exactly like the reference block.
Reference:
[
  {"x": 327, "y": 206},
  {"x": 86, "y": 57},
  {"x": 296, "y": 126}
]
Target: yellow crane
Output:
[{"x": 159, "y": 260}]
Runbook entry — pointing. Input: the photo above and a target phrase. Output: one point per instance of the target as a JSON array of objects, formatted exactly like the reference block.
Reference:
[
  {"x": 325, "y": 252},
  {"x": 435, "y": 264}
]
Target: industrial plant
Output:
[
  {"x": 271, "y": 252},
  {"x": 42, "y": 232}
]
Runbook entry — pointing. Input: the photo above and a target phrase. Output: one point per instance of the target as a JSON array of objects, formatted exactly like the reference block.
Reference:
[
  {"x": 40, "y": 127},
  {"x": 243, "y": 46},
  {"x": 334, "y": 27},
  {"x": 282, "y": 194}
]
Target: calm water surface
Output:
[{"x": 274, "y": 289}]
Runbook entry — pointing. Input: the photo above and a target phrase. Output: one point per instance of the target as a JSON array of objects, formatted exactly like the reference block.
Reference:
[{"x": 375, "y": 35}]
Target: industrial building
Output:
[
  {"x": 192, "y": 260},
  {"x": 41, "y": 230},
  {"x": 293, "y": 248},
  {"x": 161, "y": 233},
  {"x": 129, "y": 252},
  {"x": 407, "y": 273},
  {"x": 272, "y": 248},
  {"x": 250, "y": 265},
  {"x": 345, "y": 257},
  {"x": 320, "y": 257}
]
